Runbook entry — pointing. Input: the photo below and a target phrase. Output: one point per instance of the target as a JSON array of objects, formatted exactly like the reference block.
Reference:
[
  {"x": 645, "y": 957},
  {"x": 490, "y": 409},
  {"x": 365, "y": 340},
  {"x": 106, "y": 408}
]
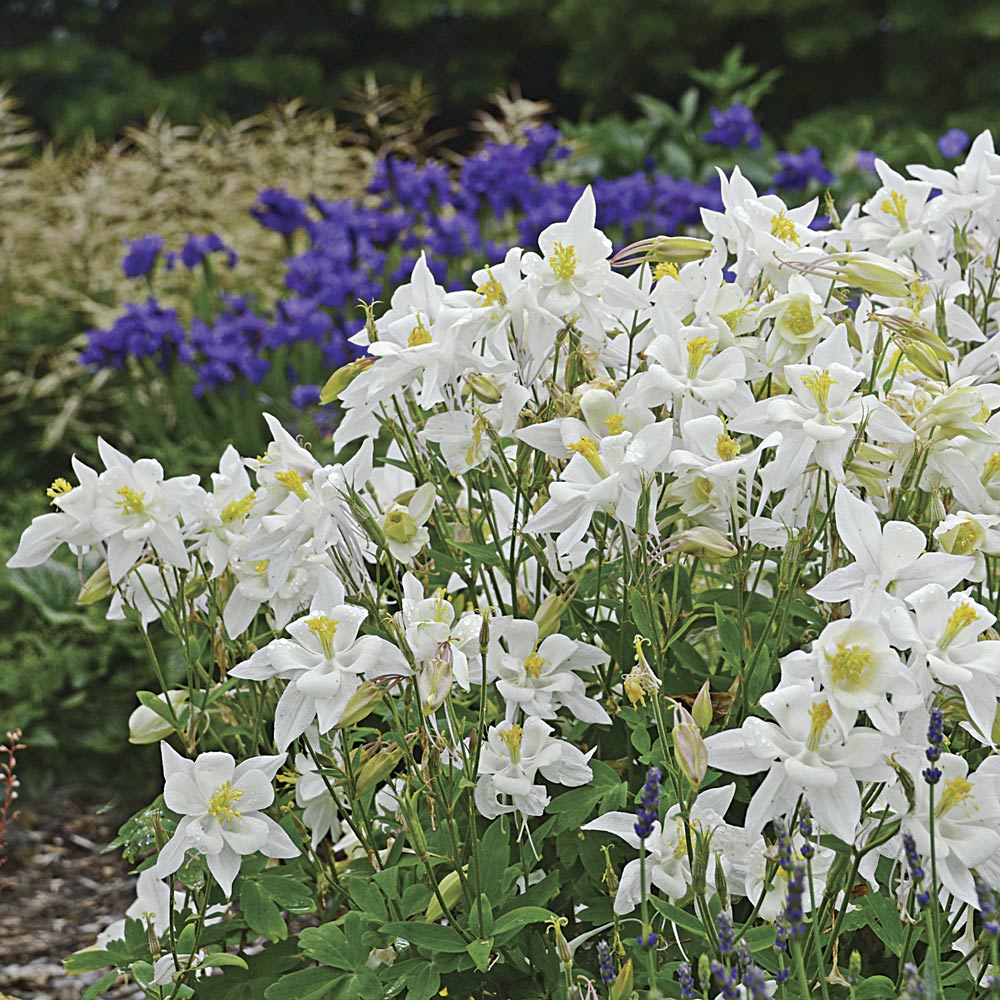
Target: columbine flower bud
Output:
[
  {"x": 549, "y": 613},
  {"x": 622, "y": 988},
  {"x": 924, "y": 360},
  {"x": 854, "y": 966},
  {"x": 399, "y": 524},
  {"x": 701, "y": 710},
  {"x": 483, "y": 388},
  {"x": 378, "y": 767},
  {"x": 661, "y": 249},
  {"x": 699, "y": 862},
  {"x": 145, "y": 726},
  {"x": 875, "y": 274},
  {"x": 690, "y": 751},
  {"x": 721, "y": 885},
  {"x": 450, "y": 888},
  {"x": 342, "y": 378},
  {"x": 704, "y": 971},
  {"x": 97, "y": 587},
  {"x": 705, "y": 543},
  {"x": 362, "y": 702},
  {"x": 435, "y": 679},
  {"x": 562, "y": 945}
]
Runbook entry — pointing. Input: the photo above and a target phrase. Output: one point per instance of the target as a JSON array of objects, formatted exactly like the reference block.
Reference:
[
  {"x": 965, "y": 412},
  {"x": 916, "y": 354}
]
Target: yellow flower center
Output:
[
  {"x": 965, "y": 539},
  {"x": 324, "y": 629},
  {"x": 261, "y": 566},
  {"x": 666, "y": 269},
  {"x": 587, "y": 447},
  {"x": 292, "y": 481},
  {"x": 419, "y": 335},
  {"x": 784, "y": 228},
  {"x": 512, "y": 738},
  {"x": 732, "y": 318},
  {"x": 820, "y": 714},
  {"x": 961, "y": 618},
  {"x": 478, "y": 427},
  {"x": 918, "y": 293},
  {"x": 237, "y": 510},
  {"x": 954, "y": 793},
  {"x": 615, "y": 423},
  {"x": 440, "y": 604},
  {"x": 702, "y": 489},
  {"x": 726, "y": 448},
  {"x": 563, "y": 261},
  {"x": 399, "y": 525},
  {"x": 492, "y": 292},
  {"x": 533, "y": 665},
  {"x": 60, "y": 487},
  {"x": 799, "y": 318},
  {"x": 222, "y": 804},
  {"x": 895, "y": 205},
  {"x": 131, "y": 501},
  {"x": 992, "y": 468},
  {"x": 849, "y": 663},
  {"x": 820, "y": 385},
  {"x": 698, "y": 349}
]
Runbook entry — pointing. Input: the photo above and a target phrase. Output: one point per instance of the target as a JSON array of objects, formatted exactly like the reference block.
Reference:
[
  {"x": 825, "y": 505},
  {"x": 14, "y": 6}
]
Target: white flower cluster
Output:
[{"x": 821, "y": 403}]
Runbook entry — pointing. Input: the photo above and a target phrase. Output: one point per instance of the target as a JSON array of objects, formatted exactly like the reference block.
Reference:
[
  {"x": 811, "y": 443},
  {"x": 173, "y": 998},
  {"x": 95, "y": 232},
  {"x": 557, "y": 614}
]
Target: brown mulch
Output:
[{"x": 57, "y": 893}]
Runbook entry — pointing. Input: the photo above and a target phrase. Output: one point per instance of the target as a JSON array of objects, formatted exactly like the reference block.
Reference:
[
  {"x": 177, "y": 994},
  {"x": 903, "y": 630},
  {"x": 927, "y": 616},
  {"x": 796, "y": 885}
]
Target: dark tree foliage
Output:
[{"x": 103, "y": 63}]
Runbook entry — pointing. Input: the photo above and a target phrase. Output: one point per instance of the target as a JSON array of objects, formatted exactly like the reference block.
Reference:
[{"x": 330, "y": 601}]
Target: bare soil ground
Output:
[{"x": 57, "y": 892}]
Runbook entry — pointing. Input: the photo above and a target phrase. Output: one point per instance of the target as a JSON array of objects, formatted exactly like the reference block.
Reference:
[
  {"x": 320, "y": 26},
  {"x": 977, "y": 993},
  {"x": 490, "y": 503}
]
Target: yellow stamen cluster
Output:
[
  {"x": 961, "y": 618},
  {"x": 698, "y": 349},
  {"x": 784, "y": 228},
  {"x": 492, "y": 292},
  {"x": 820, "y": 713},
  {"x": 419, "y": 335},
  {"x": 954, "y": 793},
  {"x": 615, "y": 423},
  {"x": 512, "y": 738},
  {"x": 895, "y": 205},
  {"x": 533, "y": 665},
  {"x": 726, "y": 448},
  {"x": 666, "y": 269},
  {"x": 563, "y": 261},
  {"x": 440, "y": 603},
  {"x": 965, "y": 539},
  {"x": 702, "y": 489},
  {"x": 60, "y": 487},
  {"x": 587, "y": 447},
  {"x": 292, "y": 481},
  {"x": 918, "y": 295},
  {"x": 733, "y": 317},
  {"x": 992, "y": 468},
  {"x": 478, "y": 428},
  {"x": 261, "y": 566},
  {"x": 799, "y": 318},
  {"x": 849, "y": 663},
  {"x": 237, "y": 510},
  {"x": 222, "y": 804},
  {"x": 399, "y": 525},
  {"x": 820, "y": 385},
  {"x": 131, "y": 501},
  {"x": 324, "y": 629}
]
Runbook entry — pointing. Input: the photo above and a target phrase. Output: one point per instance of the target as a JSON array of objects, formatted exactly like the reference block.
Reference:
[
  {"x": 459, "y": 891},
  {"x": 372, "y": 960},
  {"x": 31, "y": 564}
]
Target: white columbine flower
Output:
[
  {"x": 324, "y": 663},
  {"x": 806, "y": 751},
  {"x": 511, "y": 760},
  {"x": 312, "y": 796},
  {"x": 403, "y": 524},
  {"x": 667, "y": 864},
  {"x": 890, "y": 561},
  {"x": 220, "y": 804},
  {"x": 539, "y": 678}
]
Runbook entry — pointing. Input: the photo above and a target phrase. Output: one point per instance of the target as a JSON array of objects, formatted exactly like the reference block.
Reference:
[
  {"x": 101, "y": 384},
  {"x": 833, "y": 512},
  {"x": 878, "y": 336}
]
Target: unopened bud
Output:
[
  {"x": 854, "y": 966},
  {"x": 624, "y": 984},
  {"x": 924, "y": 360},
  {"x": 701, "y": 710},
  {"x": 342, "y": 378},
  {"x": 704, "y": 971},
  {"x": 690, "y": 751},
  {"x": 610, "y": 876},
  {"x": 875, "y": 274},
  {"x": 549, "y": 613},
  {"x": 483, "y": 388},
  {"x": 367, "y": 696},
  {"x": 705, "y": 543},
  {"x": 562, "y": 945},
  {"x": 699, "y": 863},
  {"x": 435, "y": 679},
  {"x": 378, "y": 767},
  {"x": 721, "y": 885},
  {"x": 450, "y": 890},
  {"x": 97, "y": 587},
  {"x": 146, "y": 726}
]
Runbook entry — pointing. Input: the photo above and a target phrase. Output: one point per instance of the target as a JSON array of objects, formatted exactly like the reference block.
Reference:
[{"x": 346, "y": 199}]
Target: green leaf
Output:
[
  {"x": 327, "y": 944},
  {"x": 97, "y": 988},
  {"x": 222, "y": 959},
  {"x": 288, "y": 892},
  {"x": 154, "y": 704},
  {"x": 875, "y": 988},
  {"x": 484, "y": 929},
  {"x": 432, "y": 937},
  {"x": 88, "y": 960},
  {"x": 885, "y": 921},
  {"x": 52, "y": 588},
  {"x": 306, "y": 984},
  {"x": 415, "y": 899},
  {"x": 362, "y": 983},
  {"x": 730, "y": 636},
  {"x": 494, "y": 857},
  {"x": 480, "y": 951},
  {"x": 261, "y": 913},
  {"x": 422, "y": 983},
  {"x": 514, "y": 920},
  {"x": 681, "y": 918},
  {"x": 366, "y": 896}
]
